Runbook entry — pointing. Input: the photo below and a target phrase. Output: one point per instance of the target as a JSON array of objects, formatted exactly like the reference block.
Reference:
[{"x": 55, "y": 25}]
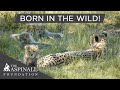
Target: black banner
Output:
[
  {"x": 59, "y": 18},
  {"x": 13, "y": 69}
]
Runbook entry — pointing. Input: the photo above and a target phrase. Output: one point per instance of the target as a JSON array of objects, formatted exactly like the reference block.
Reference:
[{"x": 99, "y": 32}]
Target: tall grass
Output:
[{"x": 76, "y": 38}]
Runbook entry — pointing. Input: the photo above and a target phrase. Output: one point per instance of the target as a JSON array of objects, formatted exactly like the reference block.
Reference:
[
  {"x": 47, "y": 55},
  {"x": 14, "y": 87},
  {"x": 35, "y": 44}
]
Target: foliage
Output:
[{"x": 76, "y": 38}]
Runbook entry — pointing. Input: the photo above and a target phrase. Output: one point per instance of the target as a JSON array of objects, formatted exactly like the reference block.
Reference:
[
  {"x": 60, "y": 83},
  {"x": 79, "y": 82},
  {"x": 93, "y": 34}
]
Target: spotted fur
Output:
[{"x": 98, "y": 49}]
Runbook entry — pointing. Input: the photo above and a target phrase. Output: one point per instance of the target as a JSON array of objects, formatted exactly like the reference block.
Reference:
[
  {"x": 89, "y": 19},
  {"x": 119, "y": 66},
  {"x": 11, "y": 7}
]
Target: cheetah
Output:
[
  {"x": 45, "y": 33},
  {"x": 33, "y": 29},
  {"x": 15, "y": 37},
  {"x": 96, "y": 37},
  {"x": 30, "y": 29},
  {"x": 30, "y": 57},
  {"x": 41, "y": 31},
  {"x": 22, "y": 39},
  {"x": 26, "y": 38},
  {"x": 98, "y": 49}
]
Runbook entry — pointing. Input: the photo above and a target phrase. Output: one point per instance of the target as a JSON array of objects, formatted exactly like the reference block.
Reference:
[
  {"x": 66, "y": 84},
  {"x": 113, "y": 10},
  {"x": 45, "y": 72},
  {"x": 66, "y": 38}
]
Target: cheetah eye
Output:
[
  {"x": 102, "y": 40},
  {"x": 28, "y": 51},
  {"x": 33, "y": 51}
]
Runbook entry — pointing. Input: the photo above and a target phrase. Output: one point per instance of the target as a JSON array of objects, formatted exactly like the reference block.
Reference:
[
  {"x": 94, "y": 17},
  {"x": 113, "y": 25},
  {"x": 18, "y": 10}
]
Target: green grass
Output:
[{"x": 76, "y": 38}]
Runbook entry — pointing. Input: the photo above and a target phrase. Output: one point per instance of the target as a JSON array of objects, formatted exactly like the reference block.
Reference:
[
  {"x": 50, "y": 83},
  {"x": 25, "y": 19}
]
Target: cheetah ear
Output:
[
  {"x": 37, "y": 46},
  {"x": 27, "y": 47},
  {"x": 96, "y": 38},
  {"x": 105, "y": 33}
]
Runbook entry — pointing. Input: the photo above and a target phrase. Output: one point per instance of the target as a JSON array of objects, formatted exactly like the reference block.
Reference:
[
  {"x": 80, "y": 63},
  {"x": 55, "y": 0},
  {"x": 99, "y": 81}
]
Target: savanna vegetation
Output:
[{"x": 76, "y": 38}]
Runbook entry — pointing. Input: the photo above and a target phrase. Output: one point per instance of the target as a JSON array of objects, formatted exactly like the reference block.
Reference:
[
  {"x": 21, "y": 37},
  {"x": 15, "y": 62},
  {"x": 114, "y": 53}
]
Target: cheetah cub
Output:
[{"x": 30, "y": 57}]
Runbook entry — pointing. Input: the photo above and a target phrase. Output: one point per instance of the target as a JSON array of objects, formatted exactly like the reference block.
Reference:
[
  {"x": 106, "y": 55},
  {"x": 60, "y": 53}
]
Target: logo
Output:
[
  {"x": 6, "y": 68},
  {"x": 14, "y": 70}
]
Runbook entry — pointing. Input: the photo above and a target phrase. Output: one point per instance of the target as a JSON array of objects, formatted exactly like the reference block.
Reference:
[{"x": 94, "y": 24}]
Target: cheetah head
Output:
[
  {"x": 40, "y": 28},
  {"x": 100, "y": 41},
  {"x": 25, "y": 37},
  {"x": 97, "y": 38},
  {"x": 31, "y": 50},
  {"x": 30, "y": 28}
]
